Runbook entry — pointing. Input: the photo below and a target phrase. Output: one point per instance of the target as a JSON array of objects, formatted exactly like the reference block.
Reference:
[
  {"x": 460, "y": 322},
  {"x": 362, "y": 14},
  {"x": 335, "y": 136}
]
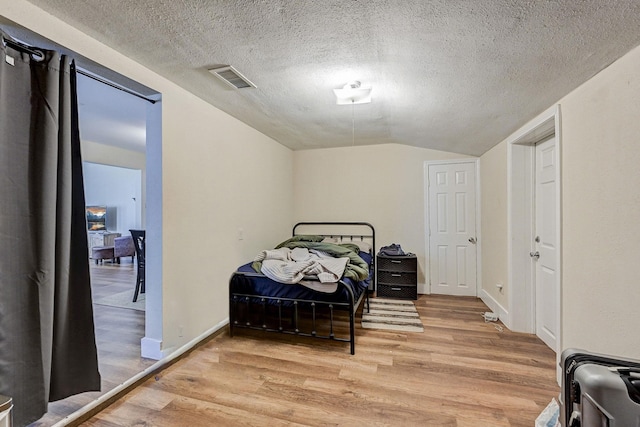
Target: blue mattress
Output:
[{"x": 264, "y": 286}]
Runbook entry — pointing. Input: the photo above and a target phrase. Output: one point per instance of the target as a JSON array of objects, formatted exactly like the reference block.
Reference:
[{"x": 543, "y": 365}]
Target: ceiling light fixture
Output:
[{"x": 353, "y": 93}]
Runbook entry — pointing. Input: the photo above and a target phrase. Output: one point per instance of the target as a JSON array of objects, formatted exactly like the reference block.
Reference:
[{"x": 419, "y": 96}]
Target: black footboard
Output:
[{"x": 303, "y": 317}]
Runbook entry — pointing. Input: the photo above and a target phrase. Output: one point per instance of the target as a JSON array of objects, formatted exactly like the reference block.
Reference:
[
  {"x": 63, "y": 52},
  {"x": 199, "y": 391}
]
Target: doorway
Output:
[
  {"x": 119, "y": 189},
  {"x": 452, "y": 218},
  {"x": 544, "y": 254},
  {"x": 96, "y": 148},
  {"x": 121, "y": 125},
  {"x": 534, "y": 229}
]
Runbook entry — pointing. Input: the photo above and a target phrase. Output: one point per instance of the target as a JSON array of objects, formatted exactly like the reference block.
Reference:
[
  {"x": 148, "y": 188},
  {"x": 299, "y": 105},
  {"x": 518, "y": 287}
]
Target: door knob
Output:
[
  {"x": 472, "y": 240},
  {"x": 535, "y": 254}
]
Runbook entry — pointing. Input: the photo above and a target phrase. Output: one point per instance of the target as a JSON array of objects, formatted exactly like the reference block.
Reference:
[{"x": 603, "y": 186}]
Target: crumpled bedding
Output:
[
  {"x": 287, "y": 265},
  {"x": 296, "y": 259}
]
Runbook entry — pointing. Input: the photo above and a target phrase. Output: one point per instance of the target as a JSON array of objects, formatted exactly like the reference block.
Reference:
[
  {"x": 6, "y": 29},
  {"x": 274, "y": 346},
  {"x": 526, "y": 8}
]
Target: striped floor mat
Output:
[{"x": 392, "y": 314}]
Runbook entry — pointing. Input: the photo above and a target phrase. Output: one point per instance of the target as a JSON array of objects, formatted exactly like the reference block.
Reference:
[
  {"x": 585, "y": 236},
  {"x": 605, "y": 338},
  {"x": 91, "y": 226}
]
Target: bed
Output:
[{"x": 258, "y": 302}]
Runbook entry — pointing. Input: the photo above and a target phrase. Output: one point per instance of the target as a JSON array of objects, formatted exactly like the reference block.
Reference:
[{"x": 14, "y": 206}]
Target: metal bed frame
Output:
[{"x": 240, "y": 301}]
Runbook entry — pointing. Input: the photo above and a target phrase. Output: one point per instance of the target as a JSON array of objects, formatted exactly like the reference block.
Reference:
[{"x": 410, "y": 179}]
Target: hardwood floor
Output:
[
  {"x": 118, "y": 334},
  {"x": 460, "y": 372}
]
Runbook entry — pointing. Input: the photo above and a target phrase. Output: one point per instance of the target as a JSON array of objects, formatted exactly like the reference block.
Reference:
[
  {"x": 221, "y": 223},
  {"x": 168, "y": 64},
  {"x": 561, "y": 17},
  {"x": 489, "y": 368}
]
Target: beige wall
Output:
[
  {"x": 107, "y": 155},
  {"x": 493, "y": 187},
  {"x": 600, "y": 212},
  {"x": 380, "y": 184},
  {"x": 218, "y": 175},
  {"x": 223, "y": 177}
]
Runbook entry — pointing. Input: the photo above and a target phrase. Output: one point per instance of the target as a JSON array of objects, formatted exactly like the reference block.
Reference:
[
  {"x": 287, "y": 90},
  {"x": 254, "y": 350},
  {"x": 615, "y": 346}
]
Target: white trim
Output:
[
  {"x": 151, "y": 348},
  {"x": 427, "y": 229},
  {"x": 495, "y": 307},
  {"x": 148, "y": 371},
  {"x": 478, "y": 229},
  {"x": 427, "y": 163},
  {"x": 520, "y": 147},
  {"x": 558, "y": 131},
  {"x": 153, "y": 224}
]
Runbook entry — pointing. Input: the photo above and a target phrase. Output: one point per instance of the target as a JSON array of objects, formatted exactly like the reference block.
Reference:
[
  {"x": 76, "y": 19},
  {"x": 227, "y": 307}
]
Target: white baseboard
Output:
[
  {"x": 495, "y": 307},
  {"x": 151, "y": 348}
]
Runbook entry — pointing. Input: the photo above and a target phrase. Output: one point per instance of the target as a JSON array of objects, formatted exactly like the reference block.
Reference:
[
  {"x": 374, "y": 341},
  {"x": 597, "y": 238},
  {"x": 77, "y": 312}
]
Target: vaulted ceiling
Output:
[{"x": 458, "y": 76}]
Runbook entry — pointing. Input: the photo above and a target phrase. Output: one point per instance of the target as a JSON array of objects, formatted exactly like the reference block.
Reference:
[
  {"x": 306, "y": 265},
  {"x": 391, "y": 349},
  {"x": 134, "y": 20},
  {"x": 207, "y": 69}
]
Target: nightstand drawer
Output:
[
  {"x": 397, "y": 264},
  {"x": 397, "y": 291},
  {"x": 400, "y": 277}
]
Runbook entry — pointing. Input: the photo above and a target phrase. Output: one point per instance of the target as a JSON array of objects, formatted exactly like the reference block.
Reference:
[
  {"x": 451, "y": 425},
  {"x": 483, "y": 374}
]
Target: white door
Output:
[
  {"x": 452, "y": 228},
  {"x": 545, "y": 243}
]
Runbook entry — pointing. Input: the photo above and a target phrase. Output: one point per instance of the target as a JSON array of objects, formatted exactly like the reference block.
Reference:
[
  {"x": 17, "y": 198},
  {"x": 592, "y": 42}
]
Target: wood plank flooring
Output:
[
  {"x": 460, "y": 372},
  {"x": 118, "y": 334}
]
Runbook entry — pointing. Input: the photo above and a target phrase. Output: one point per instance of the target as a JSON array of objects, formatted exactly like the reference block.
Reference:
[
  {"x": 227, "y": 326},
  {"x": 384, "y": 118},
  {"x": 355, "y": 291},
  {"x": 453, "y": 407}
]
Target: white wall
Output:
[
  {"x": 600, "y": 212},
  {"x": 96, "y": 153},
  {"x": 222, "y": 177},
  {"x": 493, "y": 181},
  {"x": 120, "y": 189},
  {"x": 380, "y": 184},
  {"x": 107, "y": 155},
  {"x": 218, "y": 175}
]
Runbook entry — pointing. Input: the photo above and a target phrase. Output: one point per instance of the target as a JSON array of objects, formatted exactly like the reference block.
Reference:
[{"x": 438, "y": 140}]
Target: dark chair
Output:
[{"x": 138, "y": 242}]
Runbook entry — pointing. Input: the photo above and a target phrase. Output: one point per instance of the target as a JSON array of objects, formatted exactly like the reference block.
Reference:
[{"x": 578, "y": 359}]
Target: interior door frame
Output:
[
  {"x": 476, "y": 163},
  {"x": 521, "y": 221}
]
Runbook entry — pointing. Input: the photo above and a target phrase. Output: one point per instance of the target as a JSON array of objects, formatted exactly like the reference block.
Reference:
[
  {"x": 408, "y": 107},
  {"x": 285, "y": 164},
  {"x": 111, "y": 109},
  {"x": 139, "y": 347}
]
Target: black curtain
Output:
[{"x": 47, "y": 337}]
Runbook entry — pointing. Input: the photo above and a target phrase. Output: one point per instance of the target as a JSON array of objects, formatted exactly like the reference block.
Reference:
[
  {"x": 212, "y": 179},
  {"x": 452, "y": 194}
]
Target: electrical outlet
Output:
[
  {"x": 180, "y": 331},
  {"x": 240, "y": 234}
]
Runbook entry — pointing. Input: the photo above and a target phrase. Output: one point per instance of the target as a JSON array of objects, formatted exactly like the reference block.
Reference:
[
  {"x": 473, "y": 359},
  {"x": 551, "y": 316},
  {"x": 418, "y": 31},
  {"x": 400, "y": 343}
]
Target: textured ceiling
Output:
[{"x": 458, "y": 76}]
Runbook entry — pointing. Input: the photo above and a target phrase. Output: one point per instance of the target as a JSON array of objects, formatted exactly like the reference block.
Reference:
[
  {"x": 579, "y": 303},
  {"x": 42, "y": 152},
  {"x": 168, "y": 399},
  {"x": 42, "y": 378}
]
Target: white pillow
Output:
[
  {"x": 364, "y": 246},
  {"x": 334, "y": 240}
]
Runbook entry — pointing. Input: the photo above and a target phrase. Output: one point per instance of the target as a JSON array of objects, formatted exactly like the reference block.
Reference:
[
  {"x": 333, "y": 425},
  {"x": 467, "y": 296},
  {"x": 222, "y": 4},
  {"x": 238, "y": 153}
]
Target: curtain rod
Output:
[
  {"x": 39, "y": 56},
  {"x": 114, "y": 85},
  {"x": 24, "y": 48}
]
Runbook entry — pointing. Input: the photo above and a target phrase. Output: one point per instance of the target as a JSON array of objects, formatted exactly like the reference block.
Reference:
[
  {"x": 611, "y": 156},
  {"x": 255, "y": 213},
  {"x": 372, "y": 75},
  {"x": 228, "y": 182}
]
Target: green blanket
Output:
[{"x": 357, "y": 268}]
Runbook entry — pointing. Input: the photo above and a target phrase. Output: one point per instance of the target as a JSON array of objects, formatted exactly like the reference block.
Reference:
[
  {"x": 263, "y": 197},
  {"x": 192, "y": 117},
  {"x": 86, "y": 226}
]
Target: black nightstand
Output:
[{"x": 397, "y": 276}]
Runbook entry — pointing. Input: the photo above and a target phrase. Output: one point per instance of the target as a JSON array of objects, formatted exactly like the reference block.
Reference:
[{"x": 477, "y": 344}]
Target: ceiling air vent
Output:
[{"x": 232, "y": 77}]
